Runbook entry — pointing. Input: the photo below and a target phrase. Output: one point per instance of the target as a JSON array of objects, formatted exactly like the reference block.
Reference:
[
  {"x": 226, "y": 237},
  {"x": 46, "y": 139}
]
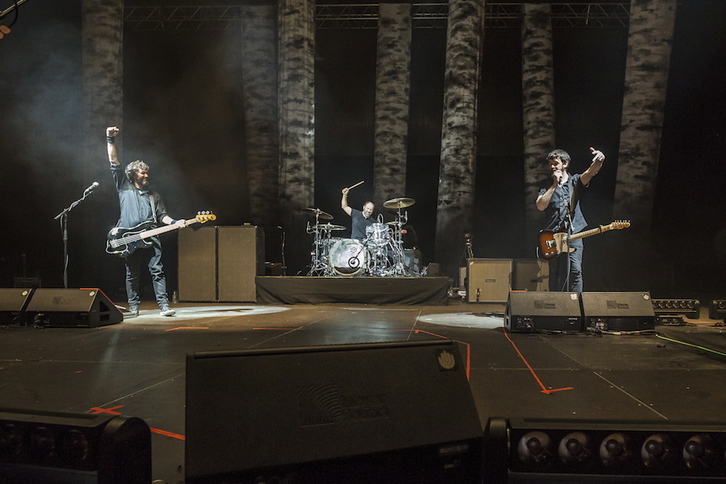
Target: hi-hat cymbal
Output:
[
  {"x": 329, "y": 226},
  {"x": 399, "y": 203},
  {"x": 319, "y": 213}
]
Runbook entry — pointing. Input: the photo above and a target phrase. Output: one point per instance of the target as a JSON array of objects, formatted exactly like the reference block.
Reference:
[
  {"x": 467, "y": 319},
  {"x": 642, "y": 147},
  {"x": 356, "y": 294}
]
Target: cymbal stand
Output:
[
  {"x": 399, "y": 268},
  {"x": 319, "y": 257}
]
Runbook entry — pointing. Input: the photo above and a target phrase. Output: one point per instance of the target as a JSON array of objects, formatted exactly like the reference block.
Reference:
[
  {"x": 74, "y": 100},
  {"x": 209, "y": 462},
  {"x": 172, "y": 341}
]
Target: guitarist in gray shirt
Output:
[
  {"x": 141, "y": 208},
  {"x": 560, "y": 200}
]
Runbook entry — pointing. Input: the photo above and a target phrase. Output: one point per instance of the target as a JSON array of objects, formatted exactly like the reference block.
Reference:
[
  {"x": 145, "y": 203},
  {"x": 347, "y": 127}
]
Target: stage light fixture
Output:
[
  {"x": 717, "y": 309},
  {"x": 690, "y": 308},
  {"x": 577, "y": 451},
  {"x": 62, "y": 448}
]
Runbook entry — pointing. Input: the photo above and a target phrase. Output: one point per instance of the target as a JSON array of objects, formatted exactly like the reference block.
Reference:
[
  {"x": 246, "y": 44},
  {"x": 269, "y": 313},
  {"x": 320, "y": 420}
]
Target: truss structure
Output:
[{"x": 365, "y": 16}]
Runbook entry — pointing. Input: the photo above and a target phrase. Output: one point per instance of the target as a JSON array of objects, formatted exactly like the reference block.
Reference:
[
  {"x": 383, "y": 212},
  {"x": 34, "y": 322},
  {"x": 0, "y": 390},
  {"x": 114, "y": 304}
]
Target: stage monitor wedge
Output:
[
  {"x": 618, "y": 311},
  {"x": 379, "y": 412},
  {"x": 13, "y": 302},
  {"x": 71, "y": 308},
  {"x": 535, "y": 311}
]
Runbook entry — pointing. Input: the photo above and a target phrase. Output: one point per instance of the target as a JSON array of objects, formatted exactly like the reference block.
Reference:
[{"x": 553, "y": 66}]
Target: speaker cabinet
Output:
[
  {"x": 334, "y": 413},
  {"x": 197, "y": 271},
  {"x": 12, "y": 305},
  {"x": 70, "y": 308},
  {"x": 240, "y": 258},
  {"x": 62, "y": 448},
  {"x": 543, "y": 311},
  {"x": 531, "y": 275},
  {"x": 618, "y": 311},
  {"x": 221, "y": 263},
  {"x": 488, "y": 280}
]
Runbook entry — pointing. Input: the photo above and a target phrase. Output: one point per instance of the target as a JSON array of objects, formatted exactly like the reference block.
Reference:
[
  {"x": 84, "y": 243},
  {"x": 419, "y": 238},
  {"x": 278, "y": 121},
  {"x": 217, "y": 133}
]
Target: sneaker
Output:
[
  {"x": 167, "y": 311},
  {"x": 132, "y": 312}
]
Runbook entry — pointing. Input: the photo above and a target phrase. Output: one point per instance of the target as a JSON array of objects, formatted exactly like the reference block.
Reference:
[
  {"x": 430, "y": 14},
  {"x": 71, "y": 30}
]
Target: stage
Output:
[
  {"x": 432, "y": 291},
  {"x": 657, "y": 378}
]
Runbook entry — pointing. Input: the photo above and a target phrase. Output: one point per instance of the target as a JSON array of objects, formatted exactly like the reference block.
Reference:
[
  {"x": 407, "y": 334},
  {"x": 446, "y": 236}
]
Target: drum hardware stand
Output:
[{"x": 319, "y": 258}]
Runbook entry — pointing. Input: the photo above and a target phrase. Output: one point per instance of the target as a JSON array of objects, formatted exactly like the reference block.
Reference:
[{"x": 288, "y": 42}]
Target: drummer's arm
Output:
[{"x": 344, "y": 202}]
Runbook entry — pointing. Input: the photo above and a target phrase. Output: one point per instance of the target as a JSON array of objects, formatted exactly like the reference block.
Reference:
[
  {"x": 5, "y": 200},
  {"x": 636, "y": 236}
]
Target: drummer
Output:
[{"x": 360, "y": 219}]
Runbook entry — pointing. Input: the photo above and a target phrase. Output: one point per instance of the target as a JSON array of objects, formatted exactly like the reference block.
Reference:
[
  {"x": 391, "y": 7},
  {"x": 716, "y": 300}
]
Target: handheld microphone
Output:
[{"x": 91, "y": 188}]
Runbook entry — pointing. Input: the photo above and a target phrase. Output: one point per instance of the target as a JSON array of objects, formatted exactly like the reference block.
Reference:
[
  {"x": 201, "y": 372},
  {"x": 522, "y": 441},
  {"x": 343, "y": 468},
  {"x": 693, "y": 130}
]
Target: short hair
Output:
[
  {"x": 562, "y": 154},
  {"x": 133, "y": 168}
]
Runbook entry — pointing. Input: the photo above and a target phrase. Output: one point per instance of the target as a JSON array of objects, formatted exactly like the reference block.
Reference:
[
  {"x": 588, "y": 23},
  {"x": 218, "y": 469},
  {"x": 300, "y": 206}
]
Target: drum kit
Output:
[{"x": 381, "y": 253}]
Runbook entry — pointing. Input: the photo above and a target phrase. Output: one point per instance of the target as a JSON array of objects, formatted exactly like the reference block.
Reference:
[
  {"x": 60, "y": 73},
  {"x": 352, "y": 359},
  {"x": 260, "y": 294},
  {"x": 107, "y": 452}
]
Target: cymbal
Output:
[
  {"x": 319, "y": 213},
  {"x": 399, "y": 203},
  {"x": 329, "y": 226}
]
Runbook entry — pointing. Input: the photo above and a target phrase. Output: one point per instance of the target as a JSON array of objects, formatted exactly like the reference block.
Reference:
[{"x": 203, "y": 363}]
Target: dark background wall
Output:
[{"x": 183, "y": 115}]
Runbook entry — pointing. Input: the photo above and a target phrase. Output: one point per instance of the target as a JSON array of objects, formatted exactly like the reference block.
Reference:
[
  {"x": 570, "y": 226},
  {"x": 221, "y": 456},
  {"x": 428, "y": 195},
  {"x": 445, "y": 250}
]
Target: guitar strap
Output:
[{"x": 153, "y": 208}]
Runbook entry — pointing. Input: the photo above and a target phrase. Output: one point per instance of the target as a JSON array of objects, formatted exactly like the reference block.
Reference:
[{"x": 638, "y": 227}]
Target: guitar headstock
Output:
[
  {"x": 203, "y": 217},
  {"x": 620, "y": 224}
]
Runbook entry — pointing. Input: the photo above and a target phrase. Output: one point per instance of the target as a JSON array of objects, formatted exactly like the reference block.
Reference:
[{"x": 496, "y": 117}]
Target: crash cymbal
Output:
[
  {"x": 329, "y": 227},
  {"x": 399, "y": 203},
  {"x": 319, "y": 213}
]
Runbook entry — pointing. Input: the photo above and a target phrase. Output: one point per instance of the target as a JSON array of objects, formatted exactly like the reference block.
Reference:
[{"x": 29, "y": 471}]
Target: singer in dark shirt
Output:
[{"x": 560, "y": 200}]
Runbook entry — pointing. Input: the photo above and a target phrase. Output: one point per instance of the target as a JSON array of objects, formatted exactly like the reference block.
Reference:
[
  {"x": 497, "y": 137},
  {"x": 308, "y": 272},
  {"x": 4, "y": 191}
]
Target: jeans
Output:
[
  {"x": 156, "y": 269},
  {"x": 558, "y": 269}
]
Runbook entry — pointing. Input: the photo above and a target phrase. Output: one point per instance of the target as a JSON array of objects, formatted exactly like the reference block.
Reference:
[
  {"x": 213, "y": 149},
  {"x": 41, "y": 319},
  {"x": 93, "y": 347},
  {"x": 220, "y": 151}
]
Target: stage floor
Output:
[{"x": 677, "y": 373}]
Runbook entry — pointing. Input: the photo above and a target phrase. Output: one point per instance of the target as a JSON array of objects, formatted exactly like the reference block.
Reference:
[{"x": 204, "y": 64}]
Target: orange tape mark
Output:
[
  {"x": 167, "y": 434},
  {"x": 186, "y": 327},
  {"x": 531, "y": 370},
  {"x": 109, "y": 411}
]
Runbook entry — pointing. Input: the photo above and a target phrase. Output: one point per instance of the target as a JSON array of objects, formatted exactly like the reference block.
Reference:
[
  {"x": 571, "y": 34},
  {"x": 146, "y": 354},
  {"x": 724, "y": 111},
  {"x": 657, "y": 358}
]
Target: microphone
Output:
[{"x": 93, "y": 186}]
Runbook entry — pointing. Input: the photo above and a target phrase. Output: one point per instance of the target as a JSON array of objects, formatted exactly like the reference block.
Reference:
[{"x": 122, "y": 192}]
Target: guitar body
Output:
[
  {"x": 123, "y": 242},
  {"x": 551, "y": 244}
]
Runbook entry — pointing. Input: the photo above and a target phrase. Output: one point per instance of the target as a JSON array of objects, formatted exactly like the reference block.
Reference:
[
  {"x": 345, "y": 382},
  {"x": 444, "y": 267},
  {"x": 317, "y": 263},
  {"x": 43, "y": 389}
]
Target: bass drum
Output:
[{"x": 347, "y": 257}]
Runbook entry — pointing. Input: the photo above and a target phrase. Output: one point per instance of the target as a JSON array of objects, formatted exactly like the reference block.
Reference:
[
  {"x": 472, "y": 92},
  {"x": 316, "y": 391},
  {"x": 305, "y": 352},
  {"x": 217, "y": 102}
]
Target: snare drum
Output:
[
  {"x": 347, "y": 257},
  {"x": 378, "y": 234}
]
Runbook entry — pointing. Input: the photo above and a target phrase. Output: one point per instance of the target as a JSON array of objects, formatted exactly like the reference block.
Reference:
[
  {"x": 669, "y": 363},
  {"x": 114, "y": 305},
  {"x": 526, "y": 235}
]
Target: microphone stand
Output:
[{"x": 63, "y": 217}]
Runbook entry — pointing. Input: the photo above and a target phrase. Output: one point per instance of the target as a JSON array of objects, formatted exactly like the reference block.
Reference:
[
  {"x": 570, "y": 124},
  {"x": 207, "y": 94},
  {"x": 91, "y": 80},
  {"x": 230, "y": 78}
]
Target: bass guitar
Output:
[
  {"x": 551, "y": 244},
  {"x": 123, "y": 242}
]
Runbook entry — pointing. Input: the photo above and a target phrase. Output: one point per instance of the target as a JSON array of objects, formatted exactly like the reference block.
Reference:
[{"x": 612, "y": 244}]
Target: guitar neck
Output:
[
  {"x": 588, "y": 233},
  {"x": 166, "y": 228}
]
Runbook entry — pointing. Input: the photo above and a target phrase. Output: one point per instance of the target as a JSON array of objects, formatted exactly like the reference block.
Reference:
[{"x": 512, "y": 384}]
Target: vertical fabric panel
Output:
[
  {"x": 457, "y": 170},
  {"x": 102, "y": 60},
  {"x": 393, "y": 80},
  {"x": 259, "y": 84},
  {"x": 538, "y": 103},
  {"x": 646, "y": 78},
  {"x": 297, "y": 125}
]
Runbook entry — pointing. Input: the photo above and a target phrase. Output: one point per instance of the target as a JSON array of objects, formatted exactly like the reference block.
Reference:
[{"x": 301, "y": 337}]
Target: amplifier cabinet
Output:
[
  {"x": 221, "y": 263},
  {"x": 488, "y": 280}
]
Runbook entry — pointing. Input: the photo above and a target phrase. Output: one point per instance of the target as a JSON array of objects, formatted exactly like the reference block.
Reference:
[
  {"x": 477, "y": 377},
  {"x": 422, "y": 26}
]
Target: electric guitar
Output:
[
  {"x": 551, "y": 244},
  {"x": 123, "y": 242}
]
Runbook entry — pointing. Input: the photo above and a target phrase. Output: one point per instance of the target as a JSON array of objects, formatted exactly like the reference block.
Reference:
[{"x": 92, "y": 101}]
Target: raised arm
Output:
[
  {"x": 344, "y": 202},
  {"x": 594, "y": 168},
  {"x": 111, "y": 133}
]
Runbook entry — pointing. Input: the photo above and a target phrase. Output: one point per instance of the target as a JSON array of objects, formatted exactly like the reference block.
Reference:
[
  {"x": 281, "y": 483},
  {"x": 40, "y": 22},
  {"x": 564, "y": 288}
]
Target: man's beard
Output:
[{"x": 143, "y": 183}]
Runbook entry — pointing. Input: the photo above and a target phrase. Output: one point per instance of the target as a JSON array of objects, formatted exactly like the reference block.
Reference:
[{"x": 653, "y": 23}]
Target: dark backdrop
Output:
[{"x": 183, "y": 115}]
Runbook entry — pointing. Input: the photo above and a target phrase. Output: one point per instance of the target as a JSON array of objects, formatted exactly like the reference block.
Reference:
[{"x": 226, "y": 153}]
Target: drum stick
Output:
[{"x": 359, "y": 183}]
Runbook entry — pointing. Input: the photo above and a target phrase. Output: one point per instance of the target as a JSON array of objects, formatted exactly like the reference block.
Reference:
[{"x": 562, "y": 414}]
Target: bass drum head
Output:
[{"x": 347, "y": 257}]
